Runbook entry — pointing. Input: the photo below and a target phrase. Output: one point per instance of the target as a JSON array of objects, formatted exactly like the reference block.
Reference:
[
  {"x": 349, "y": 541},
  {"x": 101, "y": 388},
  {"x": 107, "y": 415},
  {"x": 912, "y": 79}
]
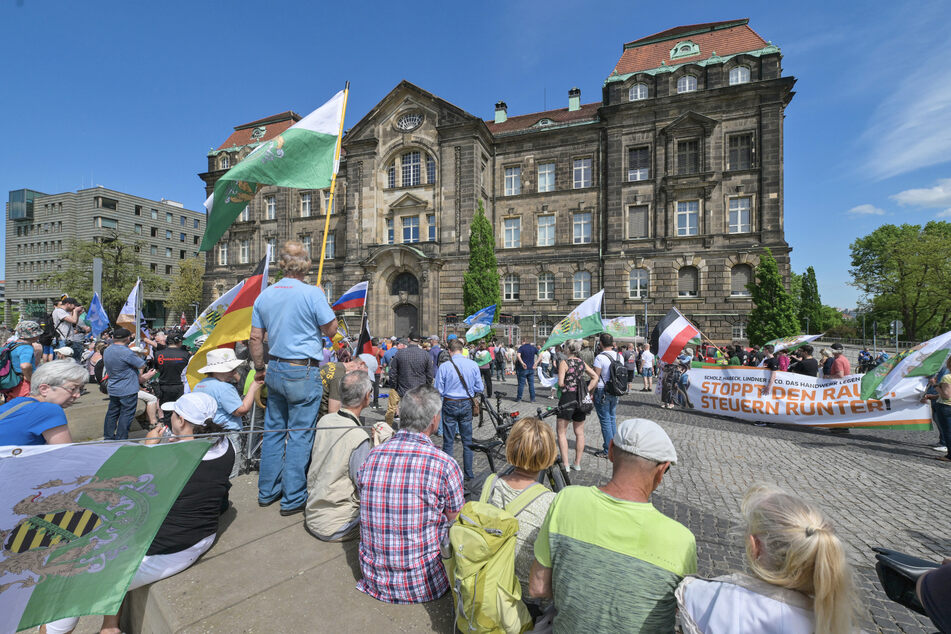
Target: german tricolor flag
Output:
[
  {"x": 42, "y": 531},
  {"x": 235, "y": 323}
]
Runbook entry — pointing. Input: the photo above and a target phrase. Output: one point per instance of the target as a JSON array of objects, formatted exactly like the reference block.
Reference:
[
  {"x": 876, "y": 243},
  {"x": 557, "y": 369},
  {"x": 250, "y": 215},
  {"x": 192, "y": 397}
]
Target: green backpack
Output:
[{"x": 480, "y": 563}]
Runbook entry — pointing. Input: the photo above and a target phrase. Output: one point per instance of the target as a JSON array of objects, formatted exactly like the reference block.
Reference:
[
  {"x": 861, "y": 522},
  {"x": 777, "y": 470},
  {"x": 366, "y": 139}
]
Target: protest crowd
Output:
[{"x": 583, "y": 558}]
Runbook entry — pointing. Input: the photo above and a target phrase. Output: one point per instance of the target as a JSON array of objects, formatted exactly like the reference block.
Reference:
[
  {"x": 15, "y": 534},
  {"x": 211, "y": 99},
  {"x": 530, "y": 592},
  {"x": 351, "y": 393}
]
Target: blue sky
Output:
[{"x": 132, "y": 96}]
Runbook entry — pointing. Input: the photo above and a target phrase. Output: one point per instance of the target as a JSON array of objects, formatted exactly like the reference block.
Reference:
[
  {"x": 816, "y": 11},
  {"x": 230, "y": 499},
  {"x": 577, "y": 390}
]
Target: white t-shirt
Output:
[
  {"x": 602, "y": 361},
  {"x": 545, "y": 357},
  {"x": 63, "y": 328},
  {"x": 647, "y": 359}
]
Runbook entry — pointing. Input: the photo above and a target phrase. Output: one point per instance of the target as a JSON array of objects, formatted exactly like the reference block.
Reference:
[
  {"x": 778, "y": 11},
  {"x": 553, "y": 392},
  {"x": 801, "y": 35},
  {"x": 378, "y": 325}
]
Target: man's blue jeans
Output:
[
  {"x": 119, "y": 416},
  {"x": 606, "y": 407},
  {"x": 457, "y": 415},
  {"x": 526, "y": 374},
  {"x": 293, "y": 398}
]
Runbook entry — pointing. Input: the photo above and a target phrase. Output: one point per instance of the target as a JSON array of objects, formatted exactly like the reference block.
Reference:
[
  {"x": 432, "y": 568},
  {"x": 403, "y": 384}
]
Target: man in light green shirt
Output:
[{"x": 610, "y": 560}]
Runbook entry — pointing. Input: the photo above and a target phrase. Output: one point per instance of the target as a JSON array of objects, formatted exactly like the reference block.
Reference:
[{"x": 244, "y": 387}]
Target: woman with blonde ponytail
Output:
[{"x": 800, "y": 581}]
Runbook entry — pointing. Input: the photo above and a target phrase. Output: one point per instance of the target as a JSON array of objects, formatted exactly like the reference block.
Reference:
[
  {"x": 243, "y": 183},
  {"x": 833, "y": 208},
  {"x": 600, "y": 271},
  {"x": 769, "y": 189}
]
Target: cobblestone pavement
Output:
[{"x": 880, "y": 488}]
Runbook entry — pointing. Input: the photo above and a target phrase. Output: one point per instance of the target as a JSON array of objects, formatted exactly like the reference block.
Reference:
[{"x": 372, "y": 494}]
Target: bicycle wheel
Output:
[{"x": 557, "y": 478}]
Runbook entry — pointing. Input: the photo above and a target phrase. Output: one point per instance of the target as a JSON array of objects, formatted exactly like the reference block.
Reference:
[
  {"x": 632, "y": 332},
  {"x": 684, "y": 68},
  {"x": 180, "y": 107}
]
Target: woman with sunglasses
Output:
[{"x": 39, "y": 419}]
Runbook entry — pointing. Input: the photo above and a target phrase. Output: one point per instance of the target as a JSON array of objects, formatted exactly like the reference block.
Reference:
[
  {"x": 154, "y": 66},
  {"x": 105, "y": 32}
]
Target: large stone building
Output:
[
  {"x": 663, "y": 193},
  {"x": 40, "y": 228}
]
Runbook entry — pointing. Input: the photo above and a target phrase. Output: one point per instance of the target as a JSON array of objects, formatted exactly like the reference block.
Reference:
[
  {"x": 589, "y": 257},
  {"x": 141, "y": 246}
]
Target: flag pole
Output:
[
  {"x": 138, "y": 311},
  {"x": 702, "y": 336},
  {"x": 333, "y": 183}
]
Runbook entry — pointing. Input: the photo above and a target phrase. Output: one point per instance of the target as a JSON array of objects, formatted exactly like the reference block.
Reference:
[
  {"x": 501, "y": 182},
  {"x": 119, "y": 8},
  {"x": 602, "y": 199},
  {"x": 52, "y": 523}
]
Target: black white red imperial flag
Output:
[{"x": 670, "y": 335}]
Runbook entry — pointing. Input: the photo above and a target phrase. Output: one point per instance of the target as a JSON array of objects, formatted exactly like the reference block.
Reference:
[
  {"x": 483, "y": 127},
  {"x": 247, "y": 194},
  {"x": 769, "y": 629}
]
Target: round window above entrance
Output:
[{"x": 409, "y": 121}]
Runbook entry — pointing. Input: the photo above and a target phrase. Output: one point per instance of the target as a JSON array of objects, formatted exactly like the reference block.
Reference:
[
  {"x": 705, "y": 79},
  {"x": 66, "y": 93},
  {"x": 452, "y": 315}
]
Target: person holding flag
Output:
[{"x": 294, "y": 315}]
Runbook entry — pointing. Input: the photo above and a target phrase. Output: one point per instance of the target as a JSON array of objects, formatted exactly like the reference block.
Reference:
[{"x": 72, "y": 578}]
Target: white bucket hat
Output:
[
  {"x": 220, "y": 360},
  {"x": 194, "y": 407}
]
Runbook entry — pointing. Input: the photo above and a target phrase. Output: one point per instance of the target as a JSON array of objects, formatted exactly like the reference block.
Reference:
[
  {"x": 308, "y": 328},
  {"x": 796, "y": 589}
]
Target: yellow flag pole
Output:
[{"x": 333, "y": 183}]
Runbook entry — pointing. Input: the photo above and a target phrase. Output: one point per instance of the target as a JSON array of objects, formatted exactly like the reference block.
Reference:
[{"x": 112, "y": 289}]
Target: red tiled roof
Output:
[
  {"x": 561, "y": 116},
  {"x": 724, "y": 38},
  {"x": 273, "y": 126}
]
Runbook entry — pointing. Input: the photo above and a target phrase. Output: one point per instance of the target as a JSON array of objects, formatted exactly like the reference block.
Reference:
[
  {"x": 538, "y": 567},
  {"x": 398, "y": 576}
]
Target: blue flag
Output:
[
  {"x": 483, "y": 316},
  {"x": 96, "y": 315}
]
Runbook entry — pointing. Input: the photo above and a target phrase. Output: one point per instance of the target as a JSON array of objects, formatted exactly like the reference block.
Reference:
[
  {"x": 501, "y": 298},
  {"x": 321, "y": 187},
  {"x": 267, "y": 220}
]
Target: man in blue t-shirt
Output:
[
  {"x": 294, "y": 314},
  {"x": 124, "y": 369},
  {"x": 526, "y": 360}
]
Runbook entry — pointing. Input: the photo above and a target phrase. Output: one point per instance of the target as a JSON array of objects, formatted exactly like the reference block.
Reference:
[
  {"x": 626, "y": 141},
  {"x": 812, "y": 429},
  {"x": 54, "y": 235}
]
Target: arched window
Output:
[
  {"x": 581, "y": 283},
  {"x": 688, "y": 282},
  {"x": 687, "y": 83},
  {"x": 739, "y": 75},
  {"x": 406, "y": 170},
  {"x": 225, "y": 162},
  {"x": 405, "y": 283},
  {"x": 638, "y": 92},
  {"x": 637, "y": 284},
  {"x": 510, "y": 287},
  {"x": 409, "y": 163},
  {"x": 546, "y": 286},
  {"x": 740, "y": 276}
]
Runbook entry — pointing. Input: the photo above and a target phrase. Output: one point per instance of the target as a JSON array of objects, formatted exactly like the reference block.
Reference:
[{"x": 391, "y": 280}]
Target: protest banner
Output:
[{"x": 796, "y": 399}]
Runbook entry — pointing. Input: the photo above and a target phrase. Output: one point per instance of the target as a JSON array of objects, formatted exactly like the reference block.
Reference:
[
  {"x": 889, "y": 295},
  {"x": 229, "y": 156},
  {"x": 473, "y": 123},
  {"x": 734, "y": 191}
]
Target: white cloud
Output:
[
  {"x": 866, "y": 210},
  {"x": 943, "y": 214},
  {"x": 931, "y": 197}
]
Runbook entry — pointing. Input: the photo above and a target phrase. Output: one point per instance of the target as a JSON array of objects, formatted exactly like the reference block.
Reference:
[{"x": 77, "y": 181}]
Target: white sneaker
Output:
[{"x": 939, "y": 448}]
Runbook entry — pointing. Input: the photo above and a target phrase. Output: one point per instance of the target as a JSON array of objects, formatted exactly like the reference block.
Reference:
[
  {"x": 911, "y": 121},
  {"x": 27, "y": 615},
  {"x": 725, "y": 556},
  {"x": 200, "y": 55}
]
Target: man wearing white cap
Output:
[{"x": 610, "y": 560}]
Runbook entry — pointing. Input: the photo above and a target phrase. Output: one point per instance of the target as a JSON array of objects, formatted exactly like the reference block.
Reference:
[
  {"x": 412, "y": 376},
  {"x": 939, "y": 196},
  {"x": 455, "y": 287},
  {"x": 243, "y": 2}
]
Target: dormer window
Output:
[
  {"x": 687, "y": 83},
  {"x": 544, "y": 122},
  {"x": 637, "y": 92},
  {"x": 225, "y": 162},
  {"x": 739, "y": 75},
  {"x": 684, "y": 49}
]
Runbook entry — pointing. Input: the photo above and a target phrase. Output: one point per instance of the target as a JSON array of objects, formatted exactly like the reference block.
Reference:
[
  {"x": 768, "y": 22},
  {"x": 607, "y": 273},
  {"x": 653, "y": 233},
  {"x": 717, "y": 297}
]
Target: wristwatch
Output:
[{"x": 261, "y": 369}]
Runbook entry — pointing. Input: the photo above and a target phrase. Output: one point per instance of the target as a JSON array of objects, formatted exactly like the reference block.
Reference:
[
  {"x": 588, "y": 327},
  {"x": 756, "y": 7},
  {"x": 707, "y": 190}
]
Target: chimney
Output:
[
  {"x": 574, "y": 99},
  {"x": 501, "y": 112}
]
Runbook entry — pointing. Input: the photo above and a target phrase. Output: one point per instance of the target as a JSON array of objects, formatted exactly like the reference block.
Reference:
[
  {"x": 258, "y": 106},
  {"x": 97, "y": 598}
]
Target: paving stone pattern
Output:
[{"x": 879, "y": 488}]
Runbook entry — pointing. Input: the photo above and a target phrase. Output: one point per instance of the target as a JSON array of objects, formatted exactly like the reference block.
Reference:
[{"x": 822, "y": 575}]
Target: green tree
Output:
[
  {"x": 773, "y": 313},
  {"x": 480, "y": 283},
  {"x": 904, "y": 272},
  {"x": 120, "y": 268},
  {"x": 810, "y": 305},
  {"x": 185, "y": 289},
  {"x": 795, "y": 289}
]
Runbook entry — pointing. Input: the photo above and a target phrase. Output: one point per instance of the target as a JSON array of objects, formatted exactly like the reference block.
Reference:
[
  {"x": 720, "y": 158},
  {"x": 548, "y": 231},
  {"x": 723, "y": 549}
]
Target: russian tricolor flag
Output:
[{"x": 354, "y": 298}]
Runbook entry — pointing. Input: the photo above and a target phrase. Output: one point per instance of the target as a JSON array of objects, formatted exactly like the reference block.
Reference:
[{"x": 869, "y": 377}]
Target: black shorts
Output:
[{"x": 568, "y": 404}]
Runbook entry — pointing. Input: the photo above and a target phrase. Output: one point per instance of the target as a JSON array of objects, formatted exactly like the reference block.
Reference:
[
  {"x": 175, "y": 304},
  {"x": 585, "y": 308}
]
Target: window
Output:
[
  {"x": 331, "y": 246},
  {"x": 391, "y": 177},
  {"x": 225, "y": 162},
  {"x": 638, "y": 222},
  {"x": 181, "y": 254},
  {"x": 305, "y": 205},
  {"x": 405, "y": 283},
  {"x": 307, "y": 242},
  {"x": 637, "y": 284},
  {"x": 688, "y": 218},
  {"x": 510, "y": 287},
  {"x": 581, "y": 283},
  {"x": 513, "y": 181},
  {"x": 544, "y": 329},
  {"x": 688, "y": 282},
  {"x": 741, "y": 152},
  {"x": 245, "y": 214},
  {"x": 687, "y": 83},
  {"x": 410, "y": 228},
  {"x": 409, "y": 164},
  {"x": 270, "y": 207},
  {"x": 546, "y": 177},
  {"x": 168, "y": 252},
  {"x": 168, "y": 234},
  {"x": 328, "y": 290},
  {"x": 688, "y": 156},
  {"x": 138, "y": 210},
  {"x": 739, "y": 75},
  {"x": 169, "y": 217},
  {"x": 546, "y": 286},
  {"x": 168, "y": 269},
  {"x": 181, "y": 221},
  {"x": 195, "y": 223},
  {"x": 581, "y": 228},
  {"x": 137, "y": 229},
  {"x": 272, "y": 243},
  {"x": 194, "y": 239},
  {"x": 223, "y": 254},
  {"x": 328, "y": 205},
  {"x": 740, "y": 215},
  {"x": 581, "y": 172},
  {"x": 154, "y": 232},
  {"x": 638, "y": 164},
  {"x": 105, "y": 223},
  {"x": 153, "y": 250},
  {"x": 430, "y": 170},
  {"x": 637, "y": 92},
  {"x": 739, "y": 331},
  {"x": 154, "y": 214},
  {"x": 740, "y": 276},
  {"x": 389, "y": 231},
  {"x": 431, "y": 222},
  {"x": 107, "y": 203},
  {"x": 512, "y": 233},
  {"x": 181, "y": 237},
  {"x": 546, "y": 231}
]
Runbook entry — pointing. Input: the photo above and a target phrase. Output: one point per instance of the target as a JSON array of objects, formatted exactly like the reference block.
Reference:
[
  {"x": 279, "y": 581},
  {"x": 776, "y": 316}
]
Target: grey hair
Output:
[
  {"x": 354, "y": 388},
  {"x": 58, "y": 373},
  {"x": 294, "y": 258},
  {"x": 418, "y": 407},
  {"x": 574, "y": 346}
]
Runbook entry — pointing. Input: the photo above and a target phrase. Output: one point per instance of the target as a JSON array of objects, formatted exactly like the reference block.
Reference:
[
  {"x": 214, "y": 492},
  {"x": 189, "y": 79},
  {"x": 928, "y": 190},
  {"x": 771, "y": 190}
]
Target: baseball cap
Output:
[
  {"x": 195, "y": 407},
  {"x": 452, "y": 336},
  {"x": 371, "y": 362},
  {"x": 121, "y": 333},
  {"x": 837, "y": 346},
  {"x": 645, "y": 438}
]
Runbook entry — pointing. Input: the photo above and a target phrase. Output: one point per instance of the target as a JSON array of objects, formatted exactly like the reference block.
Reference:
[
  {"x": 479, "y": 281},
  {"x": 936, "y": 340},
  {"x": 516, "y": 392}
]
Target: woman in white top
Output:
[{"x": 800, "y": 583}]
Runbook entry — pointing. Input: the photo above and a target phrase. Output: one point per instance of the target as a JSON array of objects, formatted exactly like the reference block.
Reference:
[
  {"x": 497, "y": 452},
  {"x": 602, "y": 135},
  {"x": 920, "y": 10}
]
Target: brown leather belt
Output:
[
  {"x": 305, "y": 362},
  {"x": 446, "y": 398}
]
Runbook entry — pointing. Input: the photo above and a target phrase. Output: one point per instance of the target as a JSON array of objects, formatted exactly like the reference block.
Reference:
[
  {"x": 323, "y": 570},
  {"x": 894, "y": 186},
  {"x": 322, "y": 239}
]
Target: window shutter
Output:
[
  {"x": 739, "y": 278},
  {"x": 687, "y": 281},
  {"x": 637, "y": 221}
]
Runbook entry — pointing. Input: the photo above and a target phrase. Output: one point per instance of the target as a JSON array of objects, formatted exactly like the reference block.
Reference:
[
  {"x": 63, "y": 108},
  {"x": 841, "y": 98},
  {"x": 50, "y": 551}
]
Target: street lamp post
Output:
[{"x": 646, "y": 302}]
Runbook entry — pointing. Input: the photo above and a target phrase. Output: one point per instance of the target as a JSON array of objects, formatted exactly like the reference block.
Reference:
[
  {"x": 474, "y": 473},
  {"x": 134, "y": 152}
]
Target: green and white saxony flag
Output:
[
  {"x": 924, "y": 359},
  {"x": 792, "y": 342},
  {"x": 305, "y": 156},
  {"x": 210, "y": 316},
  {"x": 76, "y": 521},
  {"x": 583, "y": 321},
  {"x": 621, "y": 328}
]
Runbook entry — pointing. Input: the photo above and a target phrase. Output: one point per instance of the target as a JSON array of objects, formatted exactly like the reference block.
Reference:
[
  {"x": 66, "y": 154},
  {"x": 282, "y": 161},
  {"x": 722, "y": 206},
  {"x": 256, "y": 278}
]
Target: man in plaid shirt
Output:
[{"x": 410, "y": 492}]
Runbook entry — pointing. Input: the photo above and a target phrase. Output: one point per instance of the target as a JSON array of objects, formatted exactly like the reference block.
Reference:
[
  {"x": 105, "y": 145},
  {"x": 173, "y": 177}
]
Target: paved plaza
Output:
[{"x": 880, "y": 488}]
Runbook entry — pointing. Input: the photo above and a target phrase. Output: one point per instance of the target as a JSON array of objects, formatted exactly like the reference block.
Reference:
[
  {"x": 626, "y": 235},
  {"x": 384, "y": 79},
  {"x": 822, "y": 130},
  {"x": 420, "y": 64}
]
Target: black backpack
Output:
[
  {"x": 616, "y": 385},
  {"x": 49, "y": 331}
]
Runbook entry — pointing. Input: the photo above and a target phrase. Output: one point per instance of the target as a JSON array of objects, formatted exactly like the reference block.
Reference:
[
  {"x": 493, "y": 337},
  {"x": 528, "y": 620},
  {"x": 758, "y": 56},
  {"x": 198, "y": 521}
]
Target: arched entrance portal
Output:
[{"x": 407, "y": 320}]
